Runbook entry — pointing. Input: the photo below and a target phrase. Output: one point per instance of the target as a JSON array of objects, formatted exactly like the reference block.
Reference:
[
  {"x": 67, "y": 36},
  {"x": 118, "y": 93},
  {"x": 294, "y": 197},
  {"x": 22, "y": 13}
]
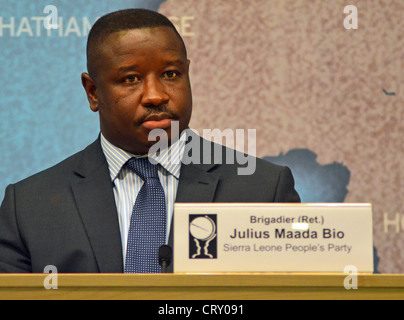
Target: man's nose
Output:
[{"x": 154, "y": 93}]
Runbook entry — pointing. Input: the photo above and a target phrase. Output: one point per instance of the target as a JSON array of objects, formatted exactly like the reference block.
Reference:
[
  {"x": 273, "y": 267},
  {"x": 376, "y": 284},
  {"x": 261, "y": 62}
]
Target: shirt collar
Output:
[{"x": 169, "y": 159}]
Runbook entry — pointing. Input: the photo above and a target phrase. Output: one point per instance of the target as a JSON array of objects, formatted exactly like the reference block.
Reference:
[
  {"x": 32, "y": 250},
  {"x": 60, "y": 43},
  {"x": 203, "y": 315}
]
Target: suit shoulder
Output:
[
  {"x": 269, "y": 166},
  {"x": 59, "y": 172},
  {"x": 59, "y": 169},
  {"x": 257, "y": 165},
  {"x": 219, "y": 154}
]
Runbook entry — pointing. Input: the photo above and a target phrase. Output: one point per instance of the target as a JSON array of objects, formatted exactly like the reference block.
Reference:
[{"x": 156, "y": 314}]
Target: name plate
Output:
[{"x": 212, "y": 238}]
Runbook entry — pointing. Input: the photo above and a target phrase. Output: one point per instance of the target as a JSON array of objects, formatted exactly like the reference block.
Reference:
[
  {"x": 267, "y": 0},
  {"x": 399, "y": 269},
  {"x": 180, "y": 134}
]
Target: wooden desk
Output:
[{"x": 201, "y": 287}]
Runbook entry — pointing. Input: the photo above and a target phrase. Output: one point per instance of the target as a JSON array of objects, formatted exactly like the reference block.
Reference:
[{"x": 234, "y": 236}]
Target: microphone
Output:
[{"x": 165, "y": 256}]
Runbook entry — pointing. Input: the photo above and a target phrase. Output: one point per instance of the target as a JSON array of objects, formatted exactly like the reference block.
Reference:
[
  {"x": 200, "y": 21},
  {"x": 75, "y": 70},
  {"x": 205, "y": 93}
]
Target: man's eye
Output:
[
  {"x": 132, "y": 79},
  {"x": 171, "y": 74}
]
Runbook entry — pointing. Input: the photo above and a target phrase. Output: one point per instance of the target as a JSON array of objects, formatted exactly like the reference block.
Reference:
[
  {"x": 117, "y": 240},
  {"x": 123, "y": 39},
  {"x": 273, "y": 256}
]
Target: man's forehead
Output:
[{"x": 161, "y": 37}]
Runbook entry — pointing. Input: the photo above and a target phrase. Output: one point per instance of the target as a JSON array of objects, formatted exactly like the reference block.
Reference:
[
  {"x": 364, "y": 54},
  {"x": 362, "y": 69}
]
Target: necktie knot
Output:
[{"x": 143, "y": 168}]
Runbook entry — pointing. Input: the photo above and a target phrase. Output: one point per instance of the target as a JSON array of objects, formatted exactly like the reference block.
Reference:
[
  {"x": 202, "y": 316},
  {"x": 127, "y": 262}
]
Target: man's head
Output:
[{"x": 137, "y": 77}]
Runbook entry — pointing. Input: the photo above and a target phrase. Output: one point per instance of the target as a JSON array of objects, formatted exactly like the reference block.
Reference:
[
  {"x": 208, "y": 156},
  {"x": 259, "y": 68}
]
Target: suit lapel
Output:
[
  {"x": 197, "y": 185},
  {"x": 96, "y": 205}
]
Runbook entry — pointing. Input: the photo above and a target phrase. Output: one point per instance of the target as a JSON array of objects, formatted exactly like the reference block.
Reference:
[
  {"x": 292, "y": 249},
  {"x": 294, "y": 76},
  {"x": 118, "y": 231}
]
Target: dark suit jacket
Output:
[{"x": 66, "y": 216}]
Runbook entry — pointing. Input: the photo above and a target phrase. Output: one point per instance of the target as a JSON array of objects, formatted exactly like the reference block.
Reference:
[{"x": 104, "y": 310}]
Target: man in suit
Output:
[{"x": 76, "y": 216}]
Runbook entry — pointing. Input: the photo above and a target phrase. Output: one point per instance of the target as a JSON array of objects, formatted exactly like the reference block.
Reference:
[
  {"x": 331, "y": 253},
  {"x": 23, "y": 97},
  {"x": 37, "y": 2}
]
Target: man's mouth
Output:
[{"x": 157, "y": 121}]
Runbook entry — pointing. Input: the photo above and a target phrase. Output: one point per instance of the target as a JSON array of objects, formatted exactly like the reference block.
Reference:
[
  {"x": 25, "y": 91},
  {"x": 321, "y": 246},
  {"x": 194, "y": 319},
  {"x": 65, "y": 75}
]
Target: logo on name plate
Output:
[{"x": 203, "y": 236}]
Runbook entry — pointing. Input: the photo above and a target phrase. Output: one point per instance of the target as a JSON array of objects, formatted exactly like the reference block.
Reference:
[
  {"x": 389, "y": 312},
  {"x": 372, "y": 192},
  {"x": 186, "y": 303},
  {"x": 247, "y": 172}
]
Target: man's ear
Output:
[{"x": 91, "y": 90}]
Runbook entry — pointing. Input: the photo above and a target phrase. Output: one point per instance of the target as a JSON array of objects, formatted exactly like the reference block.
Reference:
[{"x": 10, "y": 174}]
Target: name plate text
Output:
[{"x": 272, "y": 237}]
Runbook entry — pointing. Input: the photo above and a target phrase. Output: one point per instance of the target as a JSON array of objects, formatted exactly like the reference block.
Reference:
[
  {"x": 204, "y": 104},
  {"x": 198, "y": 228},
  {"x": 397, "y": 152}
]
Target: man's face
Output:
[{"x": 142, "y": 83}]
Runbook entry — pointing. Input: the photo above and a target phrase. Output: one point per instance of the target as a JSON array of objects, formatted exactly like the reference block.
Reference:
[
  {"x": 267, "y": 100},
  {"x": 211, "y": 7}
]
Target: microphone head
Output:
[{"x": 165, "y": 255}]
